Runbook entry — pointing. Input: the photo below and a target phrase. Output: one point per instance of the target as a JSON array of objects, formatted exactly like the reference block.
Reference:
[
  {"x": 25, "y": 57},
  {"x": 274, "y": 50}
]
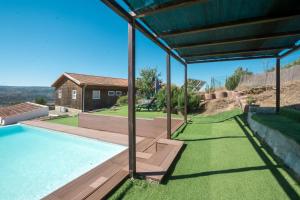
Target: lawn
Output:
[
  {"x": 221, "y": 160},
  {"x": 286, "y": 122},
  {"x": 120, "y": 111}
]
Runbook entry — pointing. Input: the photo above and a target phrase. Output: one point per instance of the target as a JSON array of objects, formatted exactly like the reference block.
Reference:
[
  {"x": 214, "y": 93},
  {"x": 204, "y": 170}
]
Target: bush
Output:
[
  {"x": 40, "y": 100},
  {"x": 177, "y": 100},
  {"x": 233, "y": 81},
  {"x": 290, "y": 113},
  {"x": 122, "y": 100},
  {"x": 251, "y": 100}
]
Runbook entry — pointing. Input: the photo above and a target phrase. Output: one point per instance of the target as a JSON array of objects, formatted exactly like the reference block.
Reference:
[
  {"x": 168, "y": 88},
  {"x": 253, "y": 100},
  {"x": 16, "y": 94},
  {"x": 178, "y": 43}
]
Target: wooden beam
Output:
[
  {"x": 239, "y": 23},
  {"x": 235, "y": 52},
  {"x": 292, "y": 50},
  {"x": 168, "y": 94},
  {"x": 126, "y": 16},
  {"x": 277, "y": 71},
  {"x": 240, "y": 40},
  {"x": 231, "y": 59},
  {"x": 185, "y": 94},
  {"x": 131, "y": 101},
  {"x": 171, "y": 5}
]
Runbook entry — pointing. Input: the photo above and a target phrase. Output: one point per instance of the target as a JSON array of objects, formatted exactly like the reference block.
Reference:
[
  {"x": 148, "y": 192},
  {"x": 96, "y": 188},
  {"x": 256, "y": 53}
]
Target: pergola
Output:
[{"x": 201, "y": 31}]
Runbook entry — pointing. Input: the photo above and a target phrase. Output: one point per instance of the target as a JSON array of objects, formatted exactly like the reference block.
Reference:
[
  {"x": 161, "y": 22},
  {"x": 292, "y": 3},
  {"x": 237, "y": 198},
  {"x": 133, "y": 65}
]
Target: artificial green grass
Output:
[
  {"x": 282, "y": 122},
  {"x": 119, "y": 111},
  {"x": 221, "y": 160},
  {"x": 123, "y": 111},
  {"x": 70, "y": 121}
]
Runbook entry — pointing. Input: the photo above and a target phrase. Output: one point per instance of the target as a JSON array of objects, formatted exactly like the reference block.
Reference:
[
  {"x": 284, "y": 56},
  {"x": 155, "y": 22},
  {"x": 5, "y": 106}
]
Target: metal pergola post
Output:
[
  {"x": 168, "y": 94},
  {"x": 185, "y": 94},
  {"x": 277, "y": 85},
  {"x": 131, "y": 100}
]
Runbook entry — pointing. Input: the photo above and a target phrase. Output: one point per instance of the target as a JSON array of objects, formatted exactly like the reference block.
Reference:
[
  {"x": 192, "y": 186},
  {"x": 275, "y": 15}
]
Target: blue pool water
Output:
[{"x": 34, "y": 162}]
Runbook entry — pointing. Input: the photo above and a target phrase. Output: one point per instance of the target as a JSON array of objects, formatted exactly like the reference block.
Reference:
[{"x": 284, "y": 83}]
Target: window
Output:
[
  {"x": 118, "y": 93},
  {"x": 96, "y": 94},
  {"x": 74, "y": 94},
  {"x": 111, "y": 93},
  {"x": 59, "y": 93}
]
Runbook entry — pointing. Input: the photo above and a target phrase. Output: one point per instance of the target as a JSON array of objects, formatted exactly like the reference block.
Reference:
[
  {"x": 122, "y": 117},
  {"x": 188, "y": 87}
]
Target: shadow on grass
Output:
[
  {"x": 226, "y": 171},
  {"x": 214, "y": 138},
  {"x": 285, "y": 185}
]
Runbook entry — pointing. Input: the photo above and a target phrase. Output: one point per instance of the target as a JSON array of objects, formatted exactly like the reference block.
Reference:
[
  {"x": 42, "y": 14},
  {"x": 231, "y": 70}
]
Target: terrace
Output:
[{"x": 215, "y": 157}]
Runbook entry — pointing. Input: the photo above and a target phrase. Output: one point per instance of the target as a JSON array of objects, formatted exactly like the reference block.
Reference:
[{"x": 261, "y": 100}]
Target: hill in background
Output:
[{"x": 10, "y": 95}]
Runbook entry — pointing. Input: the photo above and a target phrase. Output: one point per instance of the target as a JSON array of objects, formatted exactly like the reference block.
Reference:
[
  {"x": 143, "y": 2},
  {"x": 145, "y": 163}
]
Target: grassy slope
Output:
[
  {"x": 282, "y": 122},
  {"x": 222, "y": 160},
  {"x": 121, "y": 111}
]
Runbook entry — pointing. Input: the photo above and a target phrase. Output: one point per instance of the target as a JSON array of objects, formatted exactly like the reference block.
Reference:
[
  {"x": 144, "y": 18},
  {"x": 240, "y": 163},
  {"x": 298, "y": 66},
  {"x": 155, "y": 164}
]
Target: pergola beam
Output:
[
  {"x": 185, "y": 94},
  {"x": 235, "y": 52},
  {"x": 240, "y": 23},
  {"x": 131, "y": 101},
  {"x": 165, "y": 7},
  {"x": 277, "y": 71},
  {"x": 125, "y": 15},
  {"x": 239, "y": 40},
  {"x": 168, "y": 94},
  {"x": 292, "y": 50},
  {"x": 231, "y": 59}
]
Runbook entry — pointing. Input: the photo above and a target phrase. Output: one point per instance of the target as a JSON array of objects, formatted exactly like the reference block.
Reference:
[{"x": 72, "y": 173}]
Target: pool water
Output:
[{"x": 34, "y": 162}]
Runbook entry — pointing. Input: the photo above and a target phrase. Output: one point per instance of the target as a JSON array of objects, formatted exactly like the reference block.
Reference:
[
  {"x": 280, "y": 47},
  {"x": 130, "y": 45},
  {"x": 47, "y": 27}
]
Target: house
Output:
[
  {"x": 21, "y": 112},
  {"x": 86, "y": 92}
]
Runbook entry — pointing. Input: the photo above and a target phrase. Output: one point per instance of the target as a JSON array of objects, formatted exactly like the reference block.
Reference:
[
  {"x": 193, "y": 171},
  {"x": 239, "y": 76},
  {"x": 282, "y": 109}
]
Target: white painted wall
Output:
[{"x": 39, "y": 112}]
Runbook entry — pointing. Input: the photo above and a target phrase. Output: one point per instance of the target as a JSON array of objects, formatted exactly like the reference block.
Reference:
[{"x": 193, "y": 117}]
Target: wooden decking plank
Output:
[{"x": 102, "y": 191}]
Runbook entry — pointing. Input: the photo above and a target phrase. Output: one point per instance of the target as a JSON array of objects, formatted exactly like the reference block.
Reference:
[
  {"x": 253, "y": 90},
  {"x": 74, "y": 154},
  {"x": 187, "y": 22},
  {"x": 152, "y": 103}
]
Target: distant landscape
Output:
[{"x": 10, "y": 95}]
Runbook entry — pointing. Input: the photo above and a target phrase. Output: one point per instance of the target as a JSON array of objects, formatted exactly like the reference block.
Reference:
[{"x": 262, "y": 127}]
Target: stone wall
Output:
[{"x": 285, "y": 148}]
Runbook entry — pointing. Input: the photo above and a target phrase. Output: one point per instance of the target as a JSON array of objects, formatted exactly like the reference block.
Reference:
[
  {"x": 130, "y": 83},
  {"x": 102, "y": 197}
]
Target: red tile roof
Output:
[
  {"x": 82, "y": 79},
  {"x": 17, "y": 109}
]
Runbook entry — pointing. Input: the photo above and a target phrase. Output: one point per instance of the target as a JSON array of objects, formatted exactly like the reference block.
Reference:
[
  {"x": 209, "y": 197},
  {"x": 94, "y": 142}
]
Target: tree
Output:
[
  {"x": 233, "y": 81},
  {"x": 40, "y": 100},
  {"x": 148, "y": 82}
]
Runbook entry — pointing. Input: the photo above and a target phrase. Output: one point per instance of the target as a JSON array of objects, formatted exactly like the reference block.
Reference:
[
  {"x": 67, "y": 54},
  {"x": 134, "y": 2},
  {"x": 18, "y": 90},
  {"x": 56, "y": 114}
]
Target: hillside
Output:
[{"x": 16, "y": 94}]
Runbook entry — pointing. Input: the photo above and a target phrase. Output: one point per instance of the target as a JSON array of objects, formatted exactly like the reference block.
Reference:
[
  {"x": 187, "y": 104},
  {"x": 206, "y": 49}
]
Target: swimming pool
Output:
[{"x": 34, "y": 161}]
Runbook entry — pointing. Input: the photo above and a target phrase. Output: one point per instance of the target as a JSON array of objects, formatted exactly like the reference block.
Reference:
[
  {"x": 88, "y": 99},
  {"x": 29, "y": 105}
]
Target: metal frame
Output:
[
  {"x": 168, "y": 94},
  {"x": 236, "y": 52},
  {"x": 131, "y": 100},
  {"x": 166, "y": 6},
  {"x": 133, "y": 24},
  {"x": 277, "y": 71},
  {"x": 231, "y": 59},
  {"x": 239, "y": 40},
  {"x": 129, "y": 18}
]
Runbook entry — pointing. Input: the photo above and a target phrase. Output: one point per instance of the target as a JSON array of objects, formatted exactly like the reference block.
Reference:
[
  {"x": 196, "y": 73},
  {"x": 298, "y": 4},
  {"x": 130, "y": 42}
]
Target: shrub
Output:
[
  {"x": 177, "y": 100},
  {"x": 40, "y": 100},
  {"x": 251, "y": 100},
  {"x": 122, "y": 100},
  {"x": 290, "y": 113},
  {"x": 233, "y": 81}
]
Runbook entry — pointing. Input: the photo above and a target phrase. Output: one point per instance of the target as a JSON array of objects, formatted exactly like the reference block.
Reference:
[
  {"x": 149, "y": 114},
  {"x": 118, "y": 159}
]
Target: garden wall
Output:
[{"x": 285, "y": 148}]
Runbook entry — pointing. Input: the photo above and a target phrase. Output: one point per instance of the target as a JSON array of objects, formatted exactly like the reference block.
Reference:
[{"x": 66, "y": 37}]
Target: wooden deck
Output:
[{"x": 154, "y": 157}]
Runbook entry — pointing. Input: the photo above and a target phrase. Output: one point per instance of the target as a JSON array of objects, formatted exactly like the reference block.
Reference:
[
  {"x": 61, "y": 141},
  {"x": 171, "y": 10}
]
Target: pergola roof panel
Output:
[
  {"x": 264, "y": 44},
  {"x": 266, "y": 53},
  {"x": 254, "y": 30},
  {"x": 209, "y": 27}
]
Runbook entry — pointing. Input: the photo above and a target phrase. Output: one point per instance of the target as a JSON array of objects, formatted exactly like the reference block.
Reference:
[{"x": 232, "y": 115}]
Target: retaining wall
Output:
[{"x": 284, "y": 147}]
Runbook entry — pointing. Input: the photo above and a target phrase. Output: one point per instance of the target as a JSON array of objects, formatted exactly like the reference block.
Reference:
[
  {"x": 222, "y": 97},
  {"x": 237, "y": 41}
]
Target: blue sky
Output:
[{"x": 41, "y": 39}]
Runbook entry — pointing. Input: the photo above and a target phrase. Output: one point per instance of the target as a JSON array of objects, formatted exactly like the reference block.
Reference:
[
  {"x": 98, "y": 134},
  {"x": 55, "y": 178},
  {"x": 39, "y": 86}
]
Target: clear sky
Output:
[{"x": 41, "y": 39}]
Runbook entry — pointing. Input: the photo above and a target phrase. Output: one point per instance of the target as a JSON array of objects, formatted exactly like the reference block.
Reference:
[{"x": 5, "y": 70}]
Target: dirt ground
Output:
[{"x": 265, "y": 97}]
